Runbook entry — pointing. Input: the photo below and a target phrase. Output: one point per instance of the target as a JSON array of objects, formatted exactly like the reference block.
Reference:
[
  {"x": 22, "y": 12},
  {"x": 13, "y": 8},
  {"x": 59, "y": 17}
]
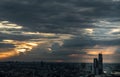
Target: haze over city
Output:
[{"x": 59, "y": 30}]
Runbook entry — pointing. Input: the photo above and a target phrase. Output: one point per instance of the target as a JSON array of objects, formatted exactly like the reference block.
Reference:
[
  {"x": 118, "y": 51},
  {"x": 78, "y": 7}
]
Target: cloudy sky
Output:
[{"x": 59, "y": 30}]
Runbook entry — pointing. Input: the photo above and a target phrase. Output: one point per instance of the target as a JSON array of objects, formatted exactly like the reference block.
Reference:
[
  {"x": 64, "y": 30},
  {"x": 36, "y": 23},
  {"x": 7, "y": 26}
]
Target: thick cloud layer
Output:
[{"x": 65, "y": 30}]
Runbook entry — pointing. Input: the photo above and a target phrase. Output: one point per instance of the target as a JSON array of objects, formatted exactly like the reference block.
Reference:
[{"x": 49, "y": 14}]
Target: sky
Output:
[{"x": 59, "y": 30}]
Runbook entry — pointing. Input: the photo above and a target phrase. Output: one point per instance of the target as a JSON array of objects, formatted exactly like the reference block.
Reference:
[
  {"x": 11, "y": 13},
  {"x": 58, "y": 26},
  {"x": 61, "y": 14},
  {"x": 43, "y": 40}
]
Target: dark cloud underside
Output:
[{"x": 64, "y": 27}]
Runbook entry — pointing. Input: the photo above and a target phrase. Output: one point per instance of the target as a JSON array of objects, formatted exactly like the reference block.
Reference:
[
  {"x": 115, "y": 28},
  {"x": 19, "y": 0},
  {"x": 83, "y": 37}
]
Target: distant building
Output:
[
  {"x": 98, "y": 65},
  {"x": 95, "y": 66}
]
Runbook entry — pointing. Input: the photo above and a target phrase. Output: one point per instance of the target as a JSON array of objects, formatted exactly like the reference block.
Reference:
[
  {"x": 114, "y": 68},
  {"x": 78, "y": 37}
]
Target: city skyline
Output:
[{"x": 59, "y": 30}]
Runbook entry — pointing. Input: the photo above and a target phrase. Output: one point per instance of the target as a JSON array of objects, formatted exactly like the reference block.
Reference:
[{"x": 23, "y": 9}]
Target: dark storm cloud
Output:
[
  {"x": 88, "y": 42},
  {"x": 56, "y": 16},
  {"x": 79, "y": 42},
  {"x": 115, "y": 42},
  {"x": 16, "y": 37},
  {"x": 66, "y": 52}
]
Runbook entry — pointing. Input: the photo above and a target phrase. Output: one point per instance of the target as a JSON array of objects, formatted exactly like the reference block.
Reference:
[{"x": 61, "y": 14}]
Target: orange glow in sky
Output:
[
  {"x": 20, "y": 47},
  {"x": 7, "y": 54},
  {"x": 106, "y": 51}
]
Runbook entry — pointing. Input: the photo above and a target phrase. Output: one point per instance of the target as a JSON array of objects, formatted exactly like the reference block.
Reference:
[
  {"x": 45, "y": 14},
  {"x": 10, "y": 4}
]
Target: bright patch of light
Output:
[
  {"x": 40, "y": 34},
  {"x": 32, "y": 44},
  {"x": 114, "y": 31},
  {"x": 31, "y": 33},
  {"x": 8, "y": 41},
  {"x": 8, "y": 25},
  {"x": 49, "y": 49},
  {"x": 65, "y": 36},
  {"x": 7, "y": 54},
  {"x": 89, "y": 31},
  {"x": 20, "y": 46},
  {"x": 21, "y": 50}
]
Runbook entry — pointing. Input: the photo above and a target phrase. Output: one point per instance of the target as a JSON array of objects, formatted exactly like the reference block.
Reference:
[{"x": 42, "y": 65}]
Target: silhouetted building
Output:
[
  {"x": 100, "y": 61},
  {"x": 95, "y": 66},
  {"x": 98, "y": 65}
]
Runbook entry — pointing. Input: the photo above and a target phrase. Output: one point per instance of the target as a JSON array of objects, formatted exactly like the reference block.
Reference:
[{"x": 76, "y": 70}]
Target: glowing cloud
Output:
[
  {"x": 114, "y": 31},
  {"x": 20, "y": 47},
  {"x": 104, "y": 50},
  {"x": 8, "y": 25},
  {"x": 89, "y": 31},
  {"x": 27, "y": 45},
  {"x": 7, "y": 54}
]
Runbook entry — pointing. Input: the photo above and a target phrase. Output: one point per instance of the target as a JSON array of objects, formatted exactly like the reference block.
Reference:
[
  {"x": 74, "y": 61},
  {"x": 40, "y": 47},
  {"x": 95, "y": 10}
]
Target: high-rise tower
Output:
[
  {"x": 95, "y": 66},
  {"x": 98, "y": 65},
  {"x": 100, "y": 62}
]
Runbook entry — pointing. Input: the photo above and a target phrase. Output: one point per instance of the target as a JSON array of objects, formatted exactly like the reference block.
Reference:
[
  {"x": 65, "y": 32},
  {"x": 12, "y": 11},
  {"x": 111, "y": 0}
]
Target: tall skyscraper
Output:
[
  {"x": 98, "y": 65},
  {"x": 95, "y": 66},
  {"x": 100, "y": 61}
]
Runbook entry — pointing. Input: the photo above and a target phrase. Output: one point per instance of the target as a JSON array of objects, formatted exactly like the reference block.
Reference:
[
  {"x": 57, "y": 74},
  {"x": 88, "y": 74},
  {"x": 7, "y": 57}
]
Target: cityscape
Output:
[
  {"x": 60, "y": 69},
  {"x": 59, "y": 38}
]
